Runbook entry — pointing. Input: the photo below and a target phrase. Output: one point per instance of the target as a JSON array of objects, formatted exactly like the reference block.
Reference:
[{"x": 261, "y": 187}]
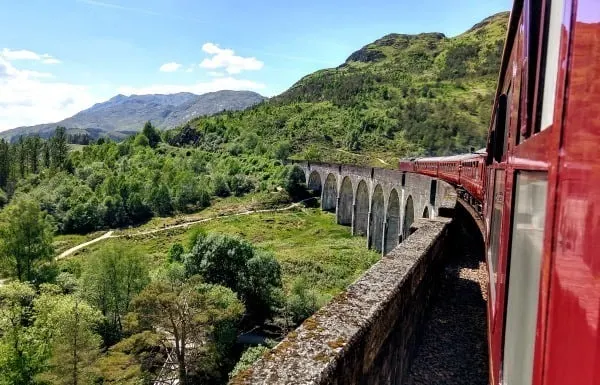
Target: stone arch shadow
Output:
[
  {"x": 315, "y": 186},
  {"x": 409, "y": 217},
  {"x": 392, "y": 222},
  {"x": 329, "y": 198},
  {"x": 377, "y": 218},
  {"x": 344, "y": 210},
  {"x": 361, "y": 209}
]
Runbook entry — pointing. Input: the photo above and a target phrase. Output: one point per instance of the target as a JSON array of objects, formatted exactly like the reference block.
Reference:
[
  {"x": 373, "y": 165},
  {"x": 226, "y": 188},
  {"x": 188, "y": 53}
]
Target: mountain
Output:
[
  {"x": 400, "y": 95},
  {"x": 122, "y": 115}
]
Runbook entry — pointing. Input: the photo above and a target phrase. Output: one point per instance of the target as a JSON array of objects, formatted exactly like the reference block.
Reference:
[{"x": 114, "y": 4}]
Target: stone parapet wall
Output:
[{"x": 368, "y": 334}]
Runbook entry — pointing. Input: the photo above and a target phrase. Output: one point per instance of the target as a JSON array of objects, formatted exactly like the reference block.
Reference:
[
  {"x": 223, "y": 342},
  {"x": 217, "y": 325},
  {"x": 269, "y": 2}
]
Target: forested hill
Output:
[{"x": 400, "y": 95}]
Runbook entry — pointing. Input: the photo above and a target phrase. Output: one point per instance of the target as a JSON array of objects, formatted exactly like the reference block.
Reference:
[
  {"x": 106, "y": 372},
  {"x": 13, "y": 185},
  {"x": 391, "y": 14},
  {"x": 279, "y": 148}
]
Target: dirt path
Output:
[{"x": 110, "y": 234}]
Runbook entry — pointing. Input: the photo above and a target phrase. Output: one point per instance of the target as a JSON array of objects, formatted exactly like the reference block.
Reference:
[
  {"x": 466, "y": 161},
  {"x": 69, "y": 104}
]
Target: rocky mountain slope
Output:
[{"x": 122, "y": 115}]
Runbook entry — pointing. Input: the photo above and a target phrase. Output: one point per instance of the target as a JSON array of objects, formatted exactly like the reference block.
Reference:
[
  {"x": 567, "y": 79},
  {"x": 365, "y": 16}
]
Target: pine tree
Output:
[
  {"x": 5, "y": 163},
  {"x": 59, "y": 148}
]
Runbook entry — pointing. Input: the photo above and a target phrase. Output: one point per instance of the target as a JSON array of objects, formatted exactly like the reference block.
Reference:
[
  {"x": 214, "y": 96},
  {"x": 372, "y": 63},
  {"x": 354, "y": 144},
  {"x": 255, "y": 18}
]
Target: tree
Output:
[
  {"x": 233, "y": 262},
  {"x": 68, "y": 323},
  {"x": 152, "y": 134},
  {"x": 189, "y": 315},
  {"x": 137, "y": 210},
  {"x": 111, "y": 279},
  {"x": 160, "y": 200},
  {"x": 34, "y": 145},
  {"x": 220, "y": 186},
  {"x": 295, "y": 182},
  {"x": 59, "y": 148},
  {"x": 21, "y": 353},
  {"x": 5, "y": 163},
  {"x": 25, "y": 238}
]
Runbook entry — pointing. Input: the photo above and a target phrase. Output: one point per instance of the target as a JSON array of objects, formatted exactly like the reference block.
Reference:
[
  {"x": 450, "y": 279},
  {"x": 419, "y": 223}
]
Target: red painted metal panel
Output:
[{"x": 573, "y": 337}]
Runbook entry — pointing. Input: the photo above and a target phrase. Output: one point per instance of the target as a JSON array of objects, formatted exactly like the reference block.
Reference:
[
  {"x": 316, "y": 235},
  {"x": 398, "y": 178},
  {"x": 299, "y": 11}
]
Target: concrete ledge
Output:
[{"x": 366, "y": 335}]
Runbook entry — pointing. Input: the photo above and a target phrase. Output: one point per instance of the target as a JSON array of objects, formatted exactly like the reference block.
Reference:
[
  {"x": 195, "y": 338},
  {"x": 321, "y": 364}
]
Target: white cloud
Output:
[
  {"x": 227, "y": 60},
  {"x": 31, "y": 97},
  {"x": 216, "y": 73},
  {"x": 51, "y": 60},
  {"x": 24, "y": 54},
  {"x": 170, "y": 67},
  {"x": 223, "y": 83}
]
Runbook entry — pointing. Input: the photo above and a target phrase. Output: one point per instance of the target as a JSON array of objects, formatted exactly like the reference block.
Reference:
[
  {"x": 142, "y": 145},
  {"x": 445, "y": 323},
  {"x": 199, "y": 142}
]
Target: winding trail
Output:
[
  {"x": 108, "y": 234},
  {"x": 111, "y": 234}
]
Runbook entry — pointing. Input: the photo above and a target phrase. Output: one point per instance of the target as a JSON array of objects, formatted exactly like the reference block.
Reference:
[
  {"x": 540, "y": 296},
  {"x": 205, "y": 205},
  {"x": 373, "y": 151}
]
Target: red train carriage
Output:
[
  {"x": 541, "y": 193},
  {"x": 472, "y": 175},
  {"x": 542, "y": 211},
  {"x": 464, "y": 171}
]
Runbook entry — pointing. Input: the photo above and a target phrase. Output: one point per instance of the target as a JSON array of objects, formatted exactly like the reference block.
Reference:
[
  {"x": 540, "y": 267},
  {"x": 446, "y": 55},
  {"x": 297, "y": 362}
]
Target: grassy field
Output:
[{"x": 307, "y": 242}]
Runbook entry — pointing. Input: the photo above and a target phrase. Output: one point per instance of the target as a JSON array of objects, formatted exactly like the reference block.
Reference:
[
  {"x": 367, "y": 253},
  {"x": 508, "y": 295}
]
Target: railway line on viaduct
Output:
[{"x": 385, "y": 328}]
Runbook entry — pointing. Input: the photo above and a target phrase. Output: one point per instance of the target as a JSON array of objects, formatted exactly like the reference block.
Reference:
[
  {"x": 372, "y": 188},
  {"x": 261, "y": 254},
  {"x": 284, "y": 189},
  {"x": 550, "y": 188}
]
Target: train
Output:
[
  {"x": 536, "y": 187},
  {"x": 466, "y": 172}
]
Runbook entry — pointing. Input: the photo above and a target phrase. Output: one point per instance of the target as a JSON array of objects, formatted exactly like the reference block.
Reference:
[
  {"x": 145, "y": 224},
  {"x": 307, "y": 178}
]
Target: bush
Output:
[
  {"x": 220, "y": 186},
  {"x": 295, "y": 182},
  {"x": 249, "y": 357},
  {"x": 176, "y": 252},
  {"x": 303, "y": 302},
  {"x": 240, "y": 185},
  {"x": 233, "y": 262}
]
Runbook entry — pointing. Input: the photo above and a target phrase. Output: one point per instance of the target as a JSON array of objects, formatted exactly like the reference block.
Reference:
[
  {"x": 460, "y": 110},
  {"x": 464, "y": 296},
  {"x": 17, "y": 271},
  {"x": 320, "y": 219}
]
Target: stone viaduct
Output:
[
  {"x": 368, "y": 334},
  {"x": 380, "y": 204}
]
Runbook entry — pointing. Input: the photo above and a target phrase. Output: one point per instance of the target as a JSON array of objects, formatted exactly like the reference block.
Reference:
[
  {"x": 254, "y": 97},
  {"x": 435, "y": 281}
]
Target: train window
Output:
[
  {"x": 535, "y": 19},
  {"x": 500, "y": 129},
  {"x": 551, "y": 62},
  {"x": 524, "y": 276},
  {"x": 495, "y": 228}
]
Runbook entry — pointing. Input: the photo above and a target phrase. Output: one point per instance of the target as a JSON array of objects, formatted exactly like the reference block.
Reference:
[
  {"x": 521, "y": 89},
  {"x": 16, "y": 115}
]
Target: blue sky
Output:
[{"x": 58, "y": 57}]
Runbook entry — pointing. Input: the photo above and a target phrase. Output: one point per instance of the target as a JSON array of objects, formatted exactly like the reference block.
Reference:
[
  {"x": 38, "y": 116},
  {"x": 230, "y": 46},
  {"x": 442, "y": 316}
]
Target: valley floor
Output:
[{"x": 306, "y": 241}]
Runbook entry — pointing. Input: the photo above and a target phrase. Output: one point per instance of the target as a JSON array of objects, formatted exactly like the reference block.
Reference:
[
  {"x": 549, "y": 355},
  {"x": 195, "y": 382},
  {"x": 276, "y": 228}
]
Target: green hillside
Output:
[{"x": 400, "y": 95}]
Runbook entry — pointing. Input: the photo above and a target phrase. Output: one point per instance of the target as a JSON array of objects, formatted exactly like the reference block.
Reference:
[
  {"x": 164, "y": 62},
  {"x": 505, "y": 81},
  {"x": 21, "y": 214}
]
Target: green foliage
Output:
[
  {"x": 249, "y": 357},
  {"x": 234, "y": 263},
  {"x": 220, "y": 186},
  {"x": 151, "y": 134},
  {"x": 295, "y": 182},
  {"x": 131, "y": 361},
  {"x": 22, "y": 354},
  {"x": 176, "y": 253},
  {"x": 302, "y": 302},
  {"x": 59, "y": 149},
  {"x": 141, "y": 140},
  {"x": 68, "y": 323},
  {"x": 191, "y": 312},
  {"x": 25, "y": 238},
  {"x": 110, "y": 280},
  {"x": 283, "y": 150}
]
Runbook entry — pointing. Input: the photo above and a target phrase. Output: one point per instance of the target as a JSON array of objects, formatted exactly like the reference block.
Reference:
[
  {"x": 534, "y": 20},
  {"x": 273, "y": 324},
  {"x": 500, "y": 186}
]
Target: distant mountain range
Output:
[{"x": 124, "y": 115}]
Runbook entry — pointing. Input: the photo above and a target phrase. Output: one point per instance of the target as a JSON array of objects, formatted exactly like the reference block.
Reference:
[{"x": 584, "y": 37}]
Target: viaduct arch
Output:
[{"x": 380, "y": 204}]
